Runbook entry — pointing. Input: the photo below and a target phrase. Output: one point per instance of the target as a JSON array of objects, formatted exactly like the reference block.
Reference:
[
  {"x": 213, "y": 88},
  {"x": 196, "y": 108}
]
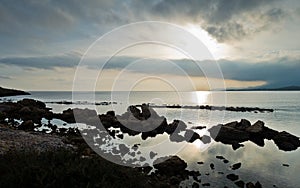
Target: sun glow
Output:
[{"x": 217, "y": 50}]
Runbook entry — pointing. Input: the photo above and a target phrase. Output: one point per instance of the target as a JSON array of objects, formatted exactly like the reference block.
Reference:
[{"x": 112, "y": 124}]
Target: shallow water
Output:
[{"x": 258, "y": 163}]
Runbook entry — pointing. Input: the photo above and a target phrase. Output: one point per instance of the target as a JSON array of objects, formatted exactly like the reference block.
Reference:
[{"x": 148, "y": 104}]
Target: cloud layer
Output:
[{"x": 276, "y": 73}]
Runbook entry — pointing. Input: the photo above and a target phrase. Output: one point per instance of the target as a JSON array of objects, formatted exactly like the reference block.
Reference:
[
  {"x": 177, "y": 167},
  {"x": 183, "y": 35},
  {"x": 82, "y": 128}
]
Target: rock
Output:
[
  {"x": 243, "y": 124},
  {"x": 250, "y": 185},
  {"x": 236, "y": 166},
  {"x": 258, "y": 185},
  {"x": 232, "y": 177},
  {"x": 240, "y": 183},
  {"x": 195, "y": 185},
  {"x": 170, "y": 166},
  {"x": 220, "y": 157},
  {"x": 199, "y": 127},
  {"x": 225, "y": 161},
  {"x": 212, "y": 166},
  {"x": 145, "y": 111},
  {"x": 200, "y": 163},
  {"x": 152, "y": 154},
  {"x": 27, "y": 126},
  {"x": 228, "y": 135},
  {"x": 25, "y": 110},
  {"x": 286, "y": 165},
  {"x": 236, "y": 145},
  {"x": 111, "y": 113},
  {"x": 205, "y": 139},
  {"x": 256, "y": 127},
  {"x": 191, "y": 136},
  {"x": 174, "y": 180},
  {"x": 286, "y": 141},
  {"x": 205, "y": 184}
]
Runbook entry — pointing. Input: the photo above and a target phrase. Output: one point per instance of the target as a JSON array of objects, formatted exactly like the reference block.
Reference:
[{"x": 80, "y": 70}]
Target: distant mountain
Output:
[
  {"x": 11, "y": 92},
  {"x": 287, "y": 88}
]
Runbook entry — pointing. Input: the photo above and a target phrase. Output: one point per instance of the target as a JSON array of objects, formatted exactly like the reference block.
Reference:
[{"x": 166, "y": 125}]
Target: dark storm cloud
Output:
[
  {"x": 42, "y": 62},
  {"x": 31, "y": 23},
  {"x": 226, "y": 20}
]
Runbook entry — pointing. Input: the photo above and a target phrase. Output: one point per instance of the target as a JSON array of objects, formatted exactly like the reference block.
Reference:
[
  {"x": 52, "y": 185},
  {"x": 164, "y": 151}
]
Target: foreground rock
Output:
[
  {"x": 236, "y": 132},
  {"x": 11, "y": 92}
]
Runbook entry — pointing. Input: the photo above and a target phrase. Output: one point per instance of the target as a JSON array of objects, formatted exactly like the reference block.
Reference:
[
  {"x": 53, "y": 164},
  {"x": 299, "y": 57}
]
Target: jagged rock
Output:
[
  {"x": 191, "y": 136},
  {"x": 232, "y": 177},
  {"x": 257, "y": 127},
  {"x": 236, "y": 166},
  {"x": 286, "y": 141},
  {"x": 170, "y": 166}
]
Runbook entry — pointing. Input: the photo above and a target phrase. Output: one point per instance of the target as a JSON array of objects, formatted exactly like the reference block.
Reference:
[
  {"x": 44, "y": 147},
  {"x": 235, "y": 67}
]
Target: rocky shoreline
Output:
[{"x": 138, "y": 120}]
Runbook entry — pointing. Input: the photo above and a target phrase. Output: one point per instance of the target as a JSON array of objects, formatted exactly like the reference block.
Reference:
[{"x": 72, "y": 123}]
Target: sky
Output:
[{"x": 149, "y": 45}]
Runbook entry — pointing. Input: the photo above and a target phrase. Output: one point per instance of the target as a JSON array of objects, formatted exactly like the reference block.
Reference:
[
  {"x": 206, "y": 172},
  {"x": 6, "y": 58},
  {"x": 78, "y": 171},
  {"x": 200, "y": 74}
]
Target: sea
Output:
[{"x": 263, "y": 164}]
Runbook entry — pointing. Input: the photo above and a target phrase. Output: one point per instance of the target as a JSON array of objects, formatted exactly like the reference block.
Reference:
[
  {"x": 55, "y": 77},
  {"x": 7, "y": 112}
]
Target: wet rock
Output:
[
  {"x": 198, "y": 127},
  {"x": 240, "y": 183},
  {"x": 195, "y": 185},
  {"x": 170, "y": 166},
  {"x": 152, "y": 154},
  {"x": 236, "y": 145},
  {"x": 200, "y": 163},
  {"x": 286, "y": 141},
  {"x": 232, "y": 177},
  {"x": 286, "y": 165},
  {"x": 220, "y": 157},
  {"x": 191, "y": 136},
  {"x": 258, "y": 185},
  {"x": 225, "y": 161},
  {"x": 206, "y": 184},
  {"x": 228, "y": 134},
  {"x": 205, "y": 139},
  {"x": 257, "y": 127},
  {"x": 236, "y": 166},
  {"x": 250, "y": 185},
  {"x": 212, "y": 166}
]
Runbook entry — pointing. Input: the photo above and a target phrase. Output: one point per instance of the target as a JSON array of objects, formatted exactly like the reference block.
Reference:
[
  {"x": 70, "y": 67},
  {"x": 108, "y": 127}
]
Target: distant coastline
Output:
[
  {"x": 4, "y": 92},
  {"x": 287, "y": 88}
]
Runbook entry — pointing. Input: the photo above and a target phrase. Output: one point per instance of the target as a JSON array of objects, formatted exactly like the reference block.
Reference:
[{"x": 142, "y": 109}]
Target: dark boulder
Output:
[
  {"x": 286, "y": 141},
  {"x": 236, "y": 166},
  {"x": 27, "y": 125},
  {"x": 170, "y": 166},
  {"x": 232, "y": 177}
]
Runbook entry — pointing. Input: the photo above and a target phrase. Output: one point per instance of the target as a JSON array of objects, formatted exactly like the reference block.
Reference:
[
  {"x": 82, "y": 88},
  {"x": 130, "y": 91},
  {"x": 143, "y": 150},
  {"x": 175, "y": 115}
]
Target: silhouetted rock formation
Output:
[
  {"x": 11, "y": 92},
  {"x": 236, "y": 132},
  {"x": 219, "y": 108}
]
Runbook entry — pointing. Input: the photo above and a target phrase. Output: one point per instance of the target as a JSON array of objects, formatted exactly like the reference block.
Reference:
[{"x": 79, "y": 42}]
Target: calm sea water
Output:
[{"x": 258, "y": 163}]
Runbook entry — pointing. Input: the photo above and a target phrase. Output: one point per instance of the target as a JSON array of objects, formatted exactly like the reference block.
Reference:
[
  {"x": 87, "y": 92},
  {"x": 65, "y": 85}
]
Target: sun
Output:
[{"x": 218, "y": 50}]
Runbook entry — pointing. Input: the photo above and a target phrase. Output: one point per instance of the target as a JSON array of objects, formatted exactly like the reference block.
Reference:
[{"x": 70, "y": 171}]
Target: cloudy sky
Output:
[{"x": 248, "y": 44}]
